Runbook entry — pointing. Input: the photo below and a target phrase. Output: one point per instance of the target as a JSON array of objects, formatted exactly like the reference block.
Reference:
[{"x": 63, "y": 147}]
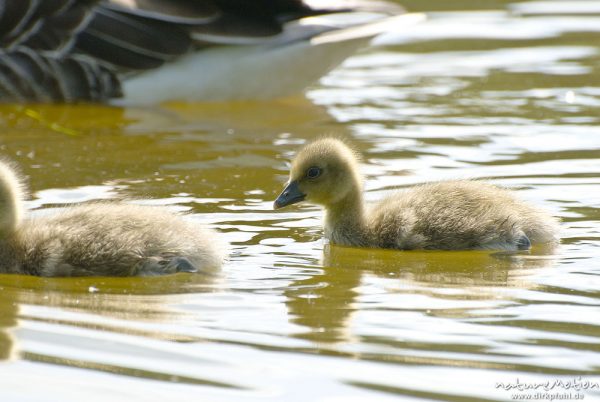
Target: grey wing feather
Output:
[
  {"x": 42, "y": 24},
  {"x": 130, "y": 41},
  {"x": 37, "y": 64},
  {"x": 26, "y": 75}
]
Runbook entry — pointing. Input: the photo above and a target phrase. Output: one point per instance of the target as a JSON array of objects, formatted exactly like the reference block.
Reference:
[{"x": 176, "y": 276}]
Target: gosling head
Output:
[
  {"x": 324, "y": 172},
  {"x": 11, "y": 198}
]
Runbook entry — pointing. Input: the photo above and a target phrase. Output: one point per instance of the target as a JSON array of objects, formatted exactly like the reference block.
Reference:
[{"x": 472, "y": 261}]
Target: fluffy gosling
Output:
[
  {"x": 448, "y": 215},
  {"x": 101, "y": 239}
]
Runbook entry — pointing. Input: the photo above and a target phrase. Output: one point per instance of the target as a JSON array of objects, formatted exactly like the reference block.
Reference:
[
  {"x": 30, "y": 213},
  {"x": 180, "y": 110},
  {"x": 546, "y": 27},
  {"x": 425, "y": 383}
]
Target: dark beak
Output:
[{"x": 290, "y": 195}]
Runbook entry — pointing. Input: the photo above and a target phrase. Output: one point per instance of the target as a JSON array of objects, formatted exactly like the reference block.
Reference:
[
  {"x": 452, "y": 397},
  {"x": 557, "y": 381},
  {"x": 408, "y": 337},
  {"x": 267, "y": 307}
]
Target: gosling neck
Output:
[
  {"x": 10, "y": 201},
  {"x": 345, "y": 221}
]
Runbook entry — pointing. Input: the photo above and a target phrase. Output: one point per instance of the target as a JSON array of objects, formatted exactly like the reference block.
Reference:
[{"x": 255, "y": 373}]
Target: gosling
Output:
[
  {"x": 99, "y": 239},
  {"x": 449, "y": 215}
]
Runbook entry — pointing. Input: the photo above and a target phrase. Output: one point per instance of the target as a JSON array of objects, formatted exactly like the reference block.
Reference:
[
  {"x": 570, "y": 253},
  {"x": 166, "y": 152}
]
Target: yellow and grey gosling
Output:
[
  {"x": 99, "y": 239},
  {"x": 448, "y": 215}
]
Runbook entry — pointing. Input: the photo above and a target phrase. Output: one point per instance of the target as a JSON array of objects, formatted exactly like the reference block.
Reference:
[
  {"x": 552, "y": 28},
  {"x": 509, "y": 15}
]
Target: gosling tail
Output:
[{"x": 541, "y": 228}]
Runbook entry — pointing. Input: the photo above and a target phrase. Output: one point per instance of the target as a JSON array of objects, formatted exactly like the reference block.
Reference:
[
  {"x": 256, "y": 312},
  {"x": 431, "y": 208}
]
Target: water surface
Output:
[{"x": 503, "y": 91}]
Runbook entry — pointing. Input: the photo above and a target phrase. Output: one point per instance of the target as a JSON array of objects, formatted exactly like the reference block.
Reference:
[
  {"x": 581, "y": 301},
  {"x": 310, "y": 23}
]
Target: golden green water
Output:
[{"x": 505, "y": 91}]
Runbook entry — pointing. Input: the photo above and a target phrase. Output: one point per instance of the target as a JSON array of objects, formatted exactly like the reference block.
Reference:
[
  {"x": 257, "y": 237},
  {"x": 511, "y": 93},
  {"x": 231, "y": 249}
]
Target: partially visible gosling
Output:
[
  {"x": 450, "y": 215},
  {"x": 101, "y": 239}
]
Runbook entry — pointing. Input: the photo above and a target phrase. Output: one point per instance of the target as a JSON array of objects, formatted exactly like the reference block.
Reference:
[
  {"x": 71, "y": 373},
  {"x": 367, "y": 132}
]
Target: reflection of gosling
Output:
[
  {"x": 446, "y": 215},
  {"x": 102, "y": 239}
]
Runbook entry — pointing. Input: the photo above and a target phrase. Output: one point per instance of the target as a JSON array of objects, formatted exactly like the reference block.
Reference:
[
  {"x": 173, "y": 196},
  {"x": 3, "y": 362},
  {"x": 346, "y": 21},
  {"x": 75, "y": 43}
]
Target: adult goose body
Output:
[{"x": 151, "y": 51}]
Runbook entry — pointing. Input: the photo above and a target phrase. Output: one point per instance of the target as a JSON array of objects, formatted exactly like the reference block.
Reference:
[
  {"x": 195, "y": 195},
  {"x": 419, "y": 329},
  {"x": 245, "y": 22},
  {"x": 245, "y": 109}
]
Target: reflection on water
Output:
[
  {"x": 504, "y": 91},
  {"x": 325, "y": 301},
  {"x": 8, "y": 319}
]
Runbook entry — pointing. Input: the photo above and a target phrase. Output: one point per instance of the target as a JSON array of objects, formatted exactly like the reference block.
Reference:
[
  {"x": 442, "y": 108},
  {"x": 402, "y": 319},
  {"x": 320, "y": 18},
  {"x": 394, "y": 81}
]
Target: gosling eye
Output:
[{"x": 313, "y": 172}]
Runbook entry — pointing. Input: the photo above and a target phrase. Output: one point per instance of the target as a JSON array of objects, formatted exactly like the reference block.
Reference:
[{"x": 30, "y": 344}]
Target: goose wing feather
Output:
[
  {"x": 175, "y": 11},
  {"x": 130, "y": 41},
  {"x": 26, "y": 75},
  {"x": 42, "y": 24}
]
